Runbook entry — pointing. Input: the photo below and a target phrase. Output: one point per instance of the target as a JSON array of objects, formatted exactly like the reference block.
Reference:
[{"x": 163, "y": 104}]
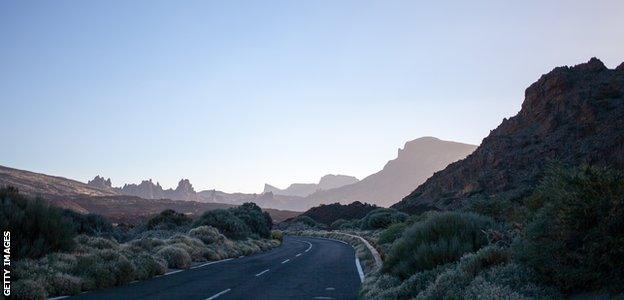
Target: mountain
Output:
[
  {"x": 100, "y": 197},
  {"x": 416, "y": 162},
  {"x": 327, "y": 182},
  {"x": 35, "y": 184},
  {"x": 328, "y": 213},
  {"x": 266, "y": 200},
  {"x": 572, "y": 115}
]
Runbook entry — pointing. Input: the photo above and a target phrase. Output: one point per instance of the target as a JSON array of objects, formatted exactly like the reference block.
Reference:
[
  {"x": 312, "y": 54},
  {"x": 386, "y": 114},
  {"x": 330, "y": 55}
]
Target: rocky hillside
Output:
[
  {"x": 416, "y": 162},
  {"x": 573, "y": 115},
  {"x": 36, "y": 184},
  {"x": 327, "y": 182}
]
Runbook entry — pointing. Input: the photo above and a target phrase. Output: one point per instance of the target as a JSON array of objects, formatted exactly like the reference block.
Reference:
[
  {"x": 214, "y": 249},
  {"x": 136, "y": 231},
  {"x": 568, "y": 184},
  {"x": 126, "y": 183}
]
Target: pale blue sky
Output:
[{"x": 235, "y": 94}]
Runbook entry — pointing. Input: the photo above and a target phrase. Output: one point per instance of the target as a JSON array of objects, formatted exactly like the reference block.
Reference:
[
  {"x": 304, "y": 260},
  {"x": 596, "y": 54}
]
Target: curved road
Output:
[{"x": 302, "y": 268}]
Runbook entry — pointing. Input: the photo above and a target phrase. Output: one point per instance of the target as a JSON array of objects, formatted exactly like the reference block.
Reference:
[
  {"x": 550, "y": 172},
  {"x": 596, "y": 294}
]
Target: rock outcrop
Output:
[
  {"x": 327, "y": 182},
  {"x": 572, "y": 115}
]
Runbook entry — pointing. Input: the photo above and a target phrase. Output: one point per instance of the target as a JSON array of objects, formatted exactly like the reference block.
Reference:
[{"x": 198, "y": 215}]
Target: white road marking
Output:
[
  {"x": 59, "y": 297},
  {"x": 173, "y": 272},
  {"x": 329, "y": 288},
  {"x": 308, "y": 247},
  {"x": 298, "y": 254},
  {"x": 286, "y": 261},
  {"x": 262, "y": 272},
  {"x": 215, "y": 296},
  {"x": 359, "y": 268},
  {"x": 211, "y": 263},
  {"x": 323, "y": 297},
  {"x": 241, "y": 256}
]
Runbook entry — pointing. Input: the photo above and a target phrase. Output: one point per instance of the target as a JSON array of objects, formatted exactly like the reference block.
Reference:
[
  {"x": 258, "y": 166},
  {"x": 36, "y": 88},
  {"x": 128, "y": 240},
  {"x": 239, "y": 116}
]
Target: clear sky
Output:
[{"x": 235, "y": 94}]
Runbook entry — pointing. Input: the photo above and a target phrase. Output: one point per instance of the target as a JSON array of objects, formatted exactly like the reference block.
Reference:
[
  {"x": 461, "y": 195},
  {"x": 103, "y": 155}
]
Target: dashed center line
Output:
[
  {"x": 215, "y": 296},
  {"x": 262, "y": 272},
  {"x": 298, "y": 254},
  {"x": 286, "y": 261}
]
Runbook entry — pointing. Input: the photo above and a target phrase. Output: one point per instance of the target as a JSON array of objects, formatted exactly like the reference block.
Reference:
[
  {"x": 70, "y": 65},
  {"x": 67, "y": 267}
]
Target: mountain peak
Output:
[{"x": 100, "y": 182}]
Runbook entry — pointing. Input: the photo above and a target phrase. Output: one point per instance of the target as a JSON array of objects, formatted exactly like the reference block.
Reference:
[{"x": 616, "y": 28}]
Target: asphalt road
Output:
[{"x": 302, "y": 268}]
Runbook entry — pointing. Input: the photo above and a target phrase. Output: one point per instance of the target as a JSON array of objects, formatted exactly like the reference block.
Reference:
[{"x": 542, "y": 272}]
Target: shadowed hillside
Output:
[{"x": 574, "y": 115}]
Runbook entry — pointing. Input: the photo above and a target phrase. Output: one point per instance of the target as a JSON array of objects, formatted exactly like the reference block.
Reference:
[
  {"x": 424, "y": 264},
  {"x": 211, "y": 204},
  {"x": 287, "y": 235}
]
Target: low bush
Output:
[
  {"x": 28, "y": 290},
  {"x": 258, "y": 222},
  {"x": 175, "y": 257},
  {"x": 576, "y": 238},
  {"x": 147, "y": 266},
  {"x": 440, "y": 239},
  {"x": 227, "y": 223},
  {"x": 277, "y": 235},
  {"x": 207, "y": 234},
  {"x": 104, "y": 268},
  {"x": 42, "y": 228},
  {"x": 391, "y": 233},
  {"x": 168, "y": 219},
  {"x": 382, "y": 218}
]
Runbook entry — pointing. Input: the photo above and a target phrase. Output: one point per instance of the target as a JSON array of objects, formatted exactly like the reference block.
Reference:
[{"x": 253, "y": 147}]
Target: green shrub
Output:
[
  {"x": 147, "y": 266},
  {"x": 89, "y": 224},
  {"x": 168, "y": 219},
  {"x": 104, "y": 268},
  {"x": 392, "y": 233},
  {"x": 85, "y": 243},
  {"x": 226, "y": 222},
  {"x": 207, "y": 234},
  {"x": 277, "y": 235},
  {"x": 382, "y": 218},
  {"x": 194, "y": 247},
  {"x": 576, "y": 238},
  {"x": 175, "y": 257},
  {"x": 257, "y": 221},
  {"x": 305, "y": 220},
  {"x": 61, "y": 284},
  {"x": 37, "y": 228},
  {"x": 440, "y": 239},
  {"x": 28, "y": 290},
  {"x": 338, "y": 224}
]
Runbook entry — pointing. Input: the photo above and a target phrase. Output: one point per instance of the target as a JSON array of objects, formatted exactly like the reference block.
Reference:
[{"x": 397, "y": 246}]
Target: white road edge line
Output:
[
  {"x": 262, "y": 272},
  {"x": 287, "y": 260},
  {"x": 211, "y": 263},
  {"x": 359, "y": 268},
  {"x": 173, "y": 272},
  {"x": 298, "y": 254},
  {"x": 59, "y": 297},
  {"x": 308, "y": 247},
  {"x": 218, "y": 294}
]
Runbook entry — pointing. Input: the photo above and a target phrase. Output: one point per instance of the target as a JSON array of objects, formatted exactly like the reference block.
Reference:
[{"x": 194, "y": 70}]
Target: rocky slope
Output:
[
  {"x": 574, "y": 115},
  {"x": 416, "y": 162},
  {"x": 327, "y": 182},
  {"x": 328, "y": 213},
  {"x": 36, "y": 184}
]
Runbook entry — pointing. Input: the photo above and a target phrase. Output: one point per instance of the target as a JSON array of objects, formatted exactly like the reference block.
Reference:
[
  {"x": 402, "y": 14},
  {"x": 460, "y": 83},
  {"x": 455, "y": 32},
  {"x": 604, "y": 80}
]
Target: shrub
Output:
[
  {"x": 257, "y": 221},
  {"x": 175, "y": 257},
  {"x": 277, "y": 235},
  {"x": 63, "y": 284},
  {"x": 194, "y": 247},
  {"x": 147, "y": 244},
  {"x": 42, "y": 228},
  {"x": 168, "y": 219},
  {"x": 85, "y": 243},
  {"x": 305, "y": 220},
  {"x": 392, "y": 233},
  {"x": 147, "y": 266},
  {"x": 381, "y": 218},
  {"x": 338, "y": 224},
  {"x": 207, "y": 234},
  {"x": 28, "y": 290},
  {"x": 89, "y": 224},
  {"x": 440, "y": 239},
  {"x": 104, "y": 268},
  {"x": 576, "y": 238},
  {"x": 227, "y": 223}
]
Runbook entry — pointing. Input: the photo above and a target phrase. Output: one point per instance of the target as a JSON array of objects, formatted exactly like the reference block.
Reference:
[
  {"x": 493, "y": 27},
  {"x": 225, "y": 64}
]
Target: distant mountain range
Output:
[
  {"x": 327, "y": 182},
  {"x": 101, "y": 198},
  {"x": 572, "y": 115},
  {"x": 416, "y": 162}
]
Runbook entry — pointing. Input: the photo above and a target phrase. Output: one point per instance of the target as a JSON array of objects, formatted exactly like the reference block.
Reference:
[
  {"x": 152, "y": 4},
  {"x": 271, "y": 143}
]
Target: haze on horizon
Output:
[{"x": 235, "y": 94}]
